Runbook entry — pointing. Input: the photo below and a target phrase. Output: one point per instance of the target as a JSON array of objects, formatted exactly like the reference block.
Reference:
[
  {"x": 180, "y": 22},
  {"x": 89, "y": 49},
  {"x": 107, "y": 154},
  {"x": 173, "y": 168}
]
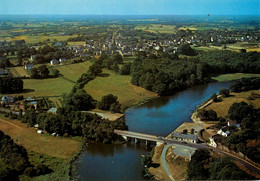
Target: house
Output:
[
  {"x": 185, "y": 137},
  {"x": 54, "y": 62},
  {"x": 233, "y": 123},
  {"x": 214, "y": 140},
  {"x": 40, "y": 132},
  {"x": 32, "y": 58},
  {"x": 7, "y": 100},
  {"x": 28, "y": 66},
  {"x": 52, "y": 110},
  {"x": 62, "y": 60},
  {"x": 224, "y": 131},
  {"x": 2, "y": 71}
]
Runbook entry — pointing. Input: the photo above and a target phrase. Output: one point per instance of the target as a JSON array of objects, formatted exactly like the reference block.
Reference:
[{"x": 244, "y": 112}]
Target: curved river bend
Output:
[{"x": 158, "y": 117}]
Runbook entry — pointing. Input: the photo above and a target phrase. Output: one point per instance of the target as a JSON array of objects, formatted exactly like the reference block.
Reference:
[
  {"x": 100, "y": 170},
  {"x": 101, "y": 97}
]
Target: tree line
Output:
[
  {"x": 14, "y": 161},
  {"x": 203, "y": 166}
]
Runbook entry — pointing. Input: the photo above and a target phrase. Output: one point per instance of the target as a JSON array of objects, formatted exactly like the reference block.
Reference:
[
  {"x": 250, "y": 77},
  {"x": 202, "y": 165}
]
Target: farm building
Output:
[{"x": 185, "y": 137}]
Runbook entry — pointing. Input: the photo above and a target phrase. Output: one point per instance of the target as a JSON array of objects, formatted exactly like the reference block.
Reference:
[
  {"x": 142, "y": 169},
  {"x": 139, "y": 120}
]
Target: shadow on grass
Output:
[
  {"x": 104, "y": 75},
  {"x": 27, "y": 90},
  {"x": 155, "y": 165}
]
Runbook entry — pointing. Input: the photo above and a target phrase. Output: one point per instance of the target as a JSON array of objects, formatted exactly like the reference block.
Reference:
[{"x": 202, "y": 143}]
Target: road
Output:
[
  {"x": 165, "y": 148},
  {"x": 169, "y": 141}
]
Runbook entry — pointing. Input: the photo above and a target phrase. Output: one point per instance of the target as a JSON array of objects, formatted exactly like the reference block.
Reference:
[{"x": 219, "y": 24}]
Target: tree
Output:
[
  {"x": 43, "y": 71},
  {"x": 95, "y": 69},
  {"x": 34, "y": 73},
  {"x": 214, "y": 97},
  {"x": 185, "y": 49},
  {"x": 238, "y": 111},
  {"x": 79, "y": 101},
  {"x": 126, "y": 68},
  {"x": 224, "y": 92},
  {"x": 107, "y": 101}
]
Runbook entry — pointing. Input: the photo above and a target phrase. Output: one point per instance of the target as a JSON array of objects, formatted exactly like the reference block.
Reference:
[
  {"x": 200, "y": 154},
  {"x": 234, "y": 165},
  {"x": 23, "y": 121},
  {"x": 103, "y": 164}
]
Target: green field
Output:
[
  {"x": 119, "y": 85},
  {"x": 73, "y": 71},
  {"x": 235, "y": 76},
  {"x": 157, "y": 28}
]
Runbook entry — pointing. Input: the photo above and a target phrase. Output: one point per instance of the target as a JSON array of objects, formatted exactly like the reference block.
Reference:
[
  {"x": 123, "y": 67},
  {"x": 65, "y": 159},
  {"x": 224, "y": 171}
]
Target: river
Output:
[{"x": 158, "y": 117}]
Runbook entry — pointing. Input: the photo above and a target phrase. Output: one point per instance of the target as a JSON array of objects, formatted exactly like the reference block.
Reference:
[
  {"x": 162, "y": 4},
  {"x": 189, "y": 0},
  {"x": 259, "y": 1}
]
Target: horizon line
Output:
[{"x": 138, "y": 14}]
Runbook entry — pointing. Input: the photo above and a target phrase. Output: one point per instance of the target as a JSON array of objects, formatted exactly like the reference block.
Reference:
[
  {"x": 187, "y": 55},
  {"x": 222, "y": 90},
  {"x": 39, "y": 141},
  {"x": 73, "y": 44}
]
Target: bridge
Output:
[{"x": 128, "y": 135}]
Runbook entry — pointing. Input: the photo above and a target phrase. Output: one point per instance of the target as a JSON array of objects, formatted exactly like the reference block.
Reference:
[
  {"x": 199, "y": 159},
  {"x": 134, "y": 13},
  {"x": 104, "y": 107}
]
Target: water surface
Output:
[{"x": 159, "y": 117}]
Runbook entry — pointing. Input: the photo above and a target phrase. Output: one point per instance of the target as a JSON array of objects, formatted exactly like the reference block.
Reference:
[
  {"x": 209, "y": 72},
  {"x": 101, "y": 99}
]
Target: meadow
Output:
[{"x": 234, "y": 76}]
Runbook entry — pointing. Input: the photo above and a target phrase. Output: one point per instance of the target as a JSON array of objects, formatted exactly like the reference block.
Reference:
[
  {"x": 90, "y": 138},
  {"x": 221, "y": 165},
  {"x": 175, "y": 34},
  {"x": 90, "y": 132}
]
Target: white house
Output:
[
  {"x": 54, "y": 62},
  {"x": 214, "y": 140},
  {"x": 40, "y": 132},
  {"x": 224, "y": 131}
]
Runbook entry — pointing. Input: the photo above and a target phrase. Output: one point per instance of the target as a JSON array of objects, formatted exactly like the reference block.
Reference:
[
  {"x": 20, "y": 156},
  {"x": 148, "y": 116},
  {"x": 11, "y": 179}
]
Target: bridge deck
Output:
[{"x": 140, "y": 136}]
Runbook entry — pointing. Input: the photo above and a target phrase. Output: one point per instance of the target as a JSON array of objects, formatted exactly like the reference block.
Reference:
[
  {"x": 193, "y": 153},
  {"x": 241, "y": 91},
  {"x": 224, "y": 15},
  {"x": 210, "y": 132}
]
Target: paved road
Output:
[{"x": 165, "y": 148}]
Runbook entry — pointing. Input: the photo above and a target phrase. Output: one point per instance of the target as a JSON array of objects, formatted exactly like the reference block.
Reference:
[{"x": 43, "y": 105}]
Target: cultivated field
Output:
[
  {"x": 235, "y": 76},
  {"x": 43, "y": 144},
  {"x": 18, "y": 72}
]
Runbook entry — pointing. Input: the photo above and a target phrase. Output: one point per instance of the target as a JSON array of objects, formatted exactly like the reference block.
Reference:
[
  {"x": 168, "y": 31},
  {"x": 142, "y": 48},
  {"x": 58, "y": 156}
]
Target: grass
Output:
[
  {"x": 235, "y": 76},
  {"x": 74, "y": 71},
  {"x": 45, "y": 87},
  {"x": 222, "y": 107},
  {"x": 18, "y": 72},
  {"x": 59, "y": 147},
  {"x": 118, "y": 85},
  {"x": 59, "y": 166}
]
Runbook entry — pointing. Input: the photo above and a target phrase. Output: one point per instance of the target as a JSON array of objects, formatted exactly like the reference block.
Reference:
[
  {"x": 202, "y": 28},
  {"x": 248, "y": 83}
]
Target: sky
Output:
[{"x": 131, "y": 7}]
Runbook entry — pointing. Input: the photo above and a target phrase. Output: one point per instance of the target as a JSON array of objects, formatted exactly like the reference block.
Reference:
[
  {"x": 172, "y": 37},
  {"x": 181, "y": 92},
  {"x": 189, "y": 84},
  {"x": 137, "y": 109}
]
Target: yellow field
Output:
[
  {"x": 36, "y": 39},
  {"x": 253, "y": 49},
  {"x": 18, "y": 72},
  {"x": 43, "y": 144},
  {"x": 222, "y": 107},
  {"x": 76, "y": 43}
]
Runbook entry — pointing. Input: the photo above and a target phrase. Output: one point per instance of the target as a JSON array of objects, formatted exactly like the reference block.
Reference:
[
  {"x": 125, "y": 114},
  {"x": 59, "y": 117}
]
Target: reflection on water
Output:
[
  {"x": 159, "y": 117},
  {"x": 112, "y": 162}
]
